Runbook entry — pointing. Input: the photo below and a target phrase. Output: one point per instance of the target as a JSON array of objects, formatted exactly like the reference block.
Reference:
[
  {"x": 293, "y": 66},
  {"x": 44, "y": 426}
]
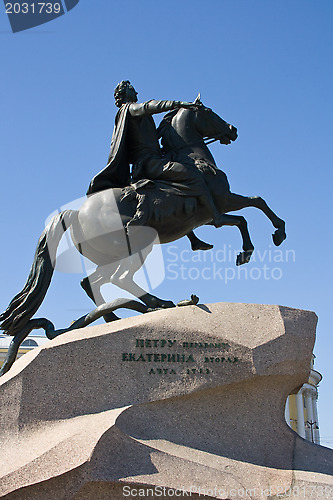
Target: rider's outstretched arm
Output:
[{"x": 152, "y": 107}]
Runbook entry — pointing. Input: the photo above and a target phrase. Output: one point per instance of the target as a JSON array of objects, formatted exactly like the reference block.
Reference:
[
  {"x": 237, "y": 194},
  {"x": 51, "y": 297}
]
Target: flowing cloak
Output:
[{"x": 117, "y": 171}]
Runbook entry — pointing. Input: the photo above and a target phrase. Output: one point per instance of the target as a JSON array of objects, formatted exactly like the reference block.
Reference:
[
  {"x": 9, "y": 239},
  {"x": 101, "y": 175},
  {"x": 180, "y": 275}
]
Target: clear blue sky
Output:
[{"x": 264, "y": 66}]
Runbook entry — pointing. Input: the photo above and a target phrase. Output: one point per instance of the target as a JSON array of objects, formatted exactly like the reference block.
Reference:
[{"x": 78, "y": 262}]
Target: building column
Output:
[
  {"x": 309, "y": 404},
  {"x": 309, "y": 414},
  {"x": 315, "y": 415},
  {"x": 300, "y": 414}
]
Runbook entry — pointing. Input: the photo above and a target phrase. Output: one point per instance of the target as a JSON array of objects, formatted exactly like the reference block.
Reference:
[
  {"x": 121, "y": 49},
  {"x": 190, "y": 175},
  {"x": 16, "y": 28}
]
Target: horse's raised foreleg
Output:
[
  {"x": 197, "y": 244},
  {"x": 237, "y": 202},
  {"x": 239, "y": 221}
]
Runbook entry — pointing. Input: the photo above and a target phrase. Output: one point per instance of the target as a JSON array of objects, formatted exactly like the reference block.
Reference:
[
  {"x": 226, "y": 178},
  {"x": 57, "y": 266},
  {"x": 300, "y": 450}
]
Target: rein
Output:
[{"x": 206, "y": 142}]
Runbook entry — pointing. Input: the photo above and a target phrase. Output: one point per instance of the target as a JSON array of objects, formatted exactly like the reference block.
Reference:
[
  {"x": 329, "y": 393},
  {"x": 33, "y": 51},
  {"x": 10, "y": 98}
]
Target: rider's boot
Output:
[
  {"x": 140, "y": 217},
  {"x": 197, "y": 244}
]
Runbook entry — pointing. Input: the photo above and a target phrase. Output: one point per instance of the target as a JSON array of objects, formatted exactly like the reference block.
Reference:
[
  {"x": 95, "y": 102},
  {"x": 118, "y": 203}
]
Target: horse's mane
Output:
[
  {"x": 164, "y": 129},
  {"x": 166, "y": 121}
]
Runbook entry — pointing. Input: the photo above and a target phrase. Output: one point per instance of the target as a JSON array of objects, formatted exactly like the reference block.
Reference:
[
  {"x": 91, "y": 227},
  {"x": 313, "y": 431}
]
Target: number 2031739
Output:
[{"x": 33, "y": 8}]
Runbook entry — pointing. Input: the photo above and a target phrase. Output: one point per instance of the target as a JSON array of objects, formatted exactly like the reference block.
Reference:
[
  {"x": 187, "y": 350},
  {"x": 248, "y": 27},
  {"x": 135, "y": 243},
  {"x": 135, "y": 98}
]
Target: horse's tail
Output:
[{"x": 25, "y": 304}]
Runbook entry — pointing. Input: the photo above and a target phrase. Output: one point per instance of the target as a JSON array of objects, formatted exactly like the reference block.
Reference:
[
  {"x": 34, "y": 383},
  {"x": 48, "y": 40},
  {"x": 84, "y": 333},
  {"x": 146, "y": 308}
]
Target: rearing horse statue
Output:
[{"x": 101, "y": 229}]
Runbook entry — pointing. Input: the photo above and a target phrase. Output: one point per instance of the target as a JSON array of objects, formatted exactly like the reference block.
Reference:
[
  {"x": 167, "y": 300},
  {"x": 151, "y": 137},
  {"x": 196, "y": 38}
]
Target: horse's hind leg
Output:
[
  {"x": 237, "y": 202},
  {"x": 92, "y": 286},
  {"x": 123, "y": 278}
]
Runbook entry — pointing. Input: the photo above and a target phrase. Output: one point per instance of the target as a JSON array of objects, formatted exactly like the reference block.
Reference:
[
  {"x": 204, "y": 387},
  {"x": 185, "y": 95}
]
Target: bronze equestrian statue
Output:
[{"x": 169, "y": 193}]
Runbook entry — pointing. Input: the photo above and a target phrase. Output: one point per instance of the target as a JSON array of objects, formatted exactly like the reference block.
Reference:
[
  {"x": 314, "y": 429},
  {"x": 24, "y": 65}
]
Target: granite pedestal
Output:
[{"x": 173, "y": 402}]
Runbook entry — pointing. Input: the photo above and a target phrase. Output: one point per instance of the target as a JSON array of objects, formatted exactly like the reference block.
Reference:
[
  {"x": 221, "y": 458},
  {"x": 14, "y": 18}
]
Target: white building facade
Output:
[{"x": 301, "y": 409}]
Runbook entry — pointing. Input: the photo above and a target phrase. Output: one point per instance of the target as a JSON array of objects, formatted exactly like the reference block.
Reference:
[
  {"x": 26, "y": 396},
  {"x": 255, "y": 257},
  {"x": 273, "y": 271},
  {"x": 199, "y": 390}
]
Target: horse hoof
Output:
[
  {"x": 201, "y": 245},
  {"x": 160, "y": 307},
  {"x": 154, "y": 303},
  {"x": 166, "y": 304},
  {"x": 243, "y": 257},
  {"x": 279, "y": 236}
]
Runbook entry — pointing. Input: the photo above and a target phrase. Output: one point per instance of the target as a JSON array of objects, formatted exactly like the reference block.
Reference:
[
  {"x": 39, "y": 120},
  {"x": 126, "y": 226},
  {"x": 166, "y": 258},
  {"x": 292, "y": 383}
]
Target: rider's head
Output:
[{"x": 124, "y": 92}]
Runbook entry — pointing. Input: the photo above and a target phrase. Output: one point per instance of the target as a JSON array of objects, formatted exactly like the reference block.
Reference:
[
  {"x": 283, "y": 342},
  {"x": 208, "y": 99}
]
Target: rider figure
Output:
[{"x": 135, "y": 141}]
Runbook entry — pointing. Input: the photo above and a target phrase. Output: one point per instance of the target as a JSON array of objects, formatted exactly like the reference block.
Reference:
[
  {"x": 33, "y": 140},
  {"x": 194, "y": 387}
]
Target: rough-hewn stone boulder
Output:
[{"x": 188, "y": 398}]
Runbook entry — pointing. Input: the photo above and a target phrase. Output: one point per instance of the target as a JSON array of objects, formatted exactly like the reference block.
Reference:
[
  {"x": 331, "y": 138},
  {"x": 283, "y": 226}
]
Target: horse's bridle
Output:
[{"x": 205, "y": 140}]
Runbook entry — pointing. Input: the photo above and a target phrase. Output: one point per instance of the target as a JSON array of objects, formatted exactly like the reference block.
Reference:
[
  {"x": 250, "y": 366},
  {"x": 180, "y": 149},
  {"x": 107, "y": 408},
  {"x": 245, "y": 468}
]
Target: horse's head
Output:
[
  {"x": 185, "y": 126},
  {"x": 211, "y": 126}
]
